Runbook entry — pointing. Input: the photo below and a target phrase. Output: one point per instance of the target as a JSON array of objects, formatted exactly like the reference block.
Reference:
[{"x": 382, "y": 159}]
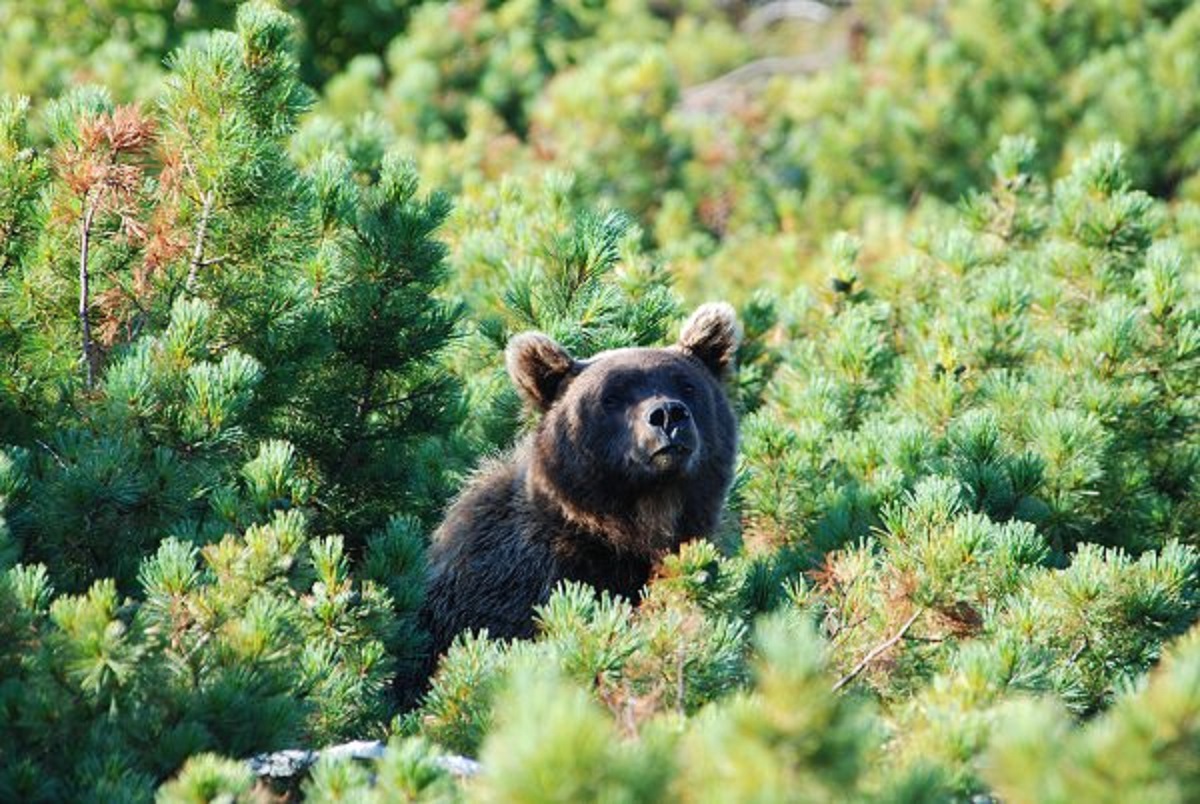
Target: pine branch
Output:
[
  {"x": 877, "y": 650},
  {"x": 358, "y": 426},
  {"x": 430, "y": 390}
]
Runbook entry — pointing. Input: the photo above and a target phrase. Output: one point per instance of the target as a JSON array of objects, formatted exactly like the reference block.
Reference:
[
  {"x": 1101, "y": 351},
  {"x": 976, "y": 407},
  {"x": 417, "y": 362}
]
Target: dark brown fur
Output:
[{"x": 633, "y": 456}]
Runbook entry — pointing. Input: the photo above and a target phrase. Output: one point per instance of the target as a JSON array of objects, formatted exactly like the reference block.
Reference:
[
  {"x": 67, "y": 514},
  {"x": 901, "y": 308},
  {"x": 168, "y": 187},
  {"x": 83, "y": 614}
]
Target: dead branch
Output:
[
  {"x": 877, "y": 650},
  {"x": 85, "y": 324},
  {"x": 720, "y": 93},
  {"x": 198, "y": 261},
  {"x": 773, "y": 13}
]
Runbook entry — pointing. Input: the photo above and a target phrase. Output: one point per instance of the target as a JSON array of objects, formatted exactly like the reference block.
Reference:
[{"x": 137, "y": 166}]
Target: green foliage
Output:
[
  {"x": 682, "y": 648},
  {"x": 532, "y": 257},
  {"x": 799, "y": 740},
  {"x": 1082, "y": 634},
  {"x": 605, "y": 122},
  {"x": 786, "y": 736},
  {"x": 562, "y": 749},
  {"x": 1152, "y": 729},
  {"x": 457, "y": 54},
  {"x": 247, "y": 360},
  {"x": 456, "y": 711},
  {"x": 23, "y": 173},
  {"x": 408, "y": 771},
  {"x": 934, "y": 95},
  {"x": 205, "y": 778},
  {"x": 166, "y": 422},
  {"x": 377, "y": 396},
  {"x": 249, "y": 644},
  {"x": 122, "y": 42},
  {"x": 261, "y": 368},
  {"x": 985, "y": 378}
]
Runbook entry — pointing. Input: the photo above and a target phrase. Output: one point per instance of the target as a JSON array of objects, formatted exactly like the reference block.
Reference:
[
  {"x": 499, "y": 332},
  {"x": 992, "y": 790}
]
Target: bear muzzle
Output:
[{"x": 667, "y": 432}]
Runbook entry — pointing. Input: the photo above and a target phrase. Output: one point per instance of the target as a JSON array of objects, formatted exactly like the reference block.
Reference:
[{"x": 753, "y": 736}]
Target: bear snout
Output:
[
  {"x": 667, "y": 431},
  {"x": 669, "y": 416}
]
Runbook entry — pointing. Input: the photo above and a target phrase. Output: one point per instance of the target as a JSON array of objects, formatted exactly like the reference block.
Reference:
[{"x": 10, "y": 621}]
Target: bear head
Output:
[{"x": 634, "y": 445}]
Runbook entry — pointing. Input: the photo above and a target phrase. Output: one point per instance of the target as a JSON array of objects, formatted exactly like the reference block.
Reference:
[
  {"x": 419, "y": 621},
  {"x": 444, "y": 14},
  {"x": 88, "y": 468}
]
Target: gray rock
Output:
[{"x": 294, "y": 762}]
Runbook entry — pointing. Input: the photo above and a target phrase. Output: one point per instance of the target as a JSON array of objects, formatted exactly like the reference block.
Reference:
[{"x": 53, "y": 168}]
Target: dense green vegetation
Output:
[{"x": 253, "y": 301}]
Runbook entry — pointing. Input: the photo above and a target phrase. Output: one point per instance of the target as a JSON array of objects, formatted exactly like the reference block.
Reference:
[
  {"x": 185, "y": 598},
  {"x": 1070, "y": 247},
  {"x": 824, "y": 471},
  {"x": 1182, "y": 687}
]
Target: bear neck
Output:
[{"x": 643, "y": 525}]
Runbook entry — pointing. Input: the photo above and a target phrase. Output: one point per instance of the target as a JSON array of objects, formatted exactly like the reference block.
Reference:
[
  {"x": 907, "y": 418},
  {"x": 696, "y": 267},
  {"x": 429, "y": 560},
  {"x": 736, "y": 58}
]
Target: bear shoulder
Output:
[{"x": 485, "y": 568}]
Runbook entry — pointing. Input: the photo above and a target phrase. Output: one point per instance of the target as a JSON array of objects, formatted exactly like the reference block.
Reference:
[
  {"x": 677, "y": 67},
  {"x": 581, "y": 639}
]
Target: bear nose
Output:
[{"x": 668, "y": 416}]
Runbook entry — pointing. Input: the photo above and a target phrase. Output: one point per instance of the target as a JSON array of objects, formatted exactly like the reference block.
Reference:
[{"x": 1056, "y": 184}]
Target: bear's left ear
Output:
[
  {"x": 538, "y": 366},
  {"x": 712, "y": 335}
]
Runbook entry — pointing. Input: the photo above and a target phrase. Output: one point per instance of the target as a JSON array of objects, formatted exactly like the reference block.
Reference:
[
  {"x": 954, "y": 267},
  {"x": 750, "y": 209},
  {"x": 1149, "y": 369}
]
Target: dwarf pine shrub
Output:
[{"x": 247, "y": 360}]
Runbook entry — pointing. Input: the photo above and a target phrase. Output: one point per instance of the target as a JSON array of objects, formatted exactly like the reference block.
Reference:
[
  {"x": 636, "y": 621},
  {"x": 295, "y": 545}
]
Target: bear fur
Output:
[{"x": 633, "y": 456}]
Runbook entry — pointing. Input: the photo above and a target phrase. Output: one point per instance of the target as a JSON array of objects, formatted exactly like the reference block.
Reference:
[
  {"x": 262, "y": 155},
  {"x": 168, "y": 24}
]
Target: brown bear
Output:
[{"x": 633, "y": 455}]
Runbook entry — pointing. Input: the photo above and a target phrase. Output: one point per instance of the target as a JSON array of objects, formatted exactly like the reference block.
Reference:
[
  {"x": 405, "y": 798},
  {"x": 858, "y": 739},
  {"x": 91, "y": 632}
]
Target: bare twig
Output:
[
  {"x": 198, "y": 261},
  {"x": 843, "y": 630},
  {"x": 57, "y": 458},
  {"x": 717, "y": 93},
  {"x": 183, "y": 10},
  {"x": 5, "y": 233},
  {"x": 85, "y": 325},
  {"x": 773, "y": 13},
  {"x": 679, "y": 681},
  {"x": 877, "y": 650}
]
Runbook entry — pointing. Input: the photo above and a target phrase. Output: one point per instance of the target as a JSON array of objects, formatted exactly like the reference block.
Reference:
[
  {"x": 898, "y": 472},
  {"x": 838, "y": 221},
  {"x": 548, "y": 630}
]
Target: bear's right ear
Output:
[
  {"x": 538, "y": 366},
  {"x": 712, "y": 334}
]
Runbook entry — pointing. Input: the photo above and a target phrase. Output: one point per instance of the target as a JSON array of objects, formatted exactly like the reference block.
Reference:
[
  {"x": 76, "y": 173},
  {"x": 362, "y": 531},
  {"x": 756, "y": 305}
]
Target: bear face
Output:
[
  {"x": 636, "y": 444},
  {"x": 634, "y": 419}
]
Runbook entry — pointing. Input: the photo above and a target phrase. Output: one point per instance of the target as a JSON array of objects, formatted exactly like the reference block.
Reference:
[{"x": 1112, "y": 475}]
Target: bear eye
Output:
[
  {"x": 611, "y": 401},
  {"x": 684, "y": 384}
]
